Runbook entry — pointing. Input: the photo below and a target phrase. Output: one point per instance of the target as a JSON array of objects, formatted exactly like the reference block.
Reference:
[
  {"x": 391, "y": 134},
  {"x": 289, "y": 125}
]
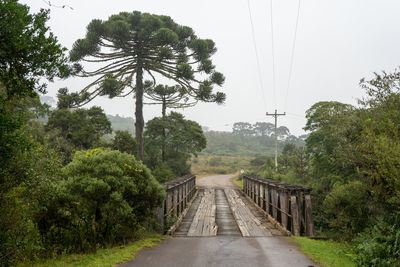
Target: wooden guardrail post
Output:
[
  {"x": 274, "y": 202},
  {"x": 267, "y": 197},
  {"x": 284, "y": 201},
  {"x": 295, "y": 215},
  {"x": 262, "y": 196},
  {"x": 309, "y": 223},
  {"x": 288, "y": 205}
]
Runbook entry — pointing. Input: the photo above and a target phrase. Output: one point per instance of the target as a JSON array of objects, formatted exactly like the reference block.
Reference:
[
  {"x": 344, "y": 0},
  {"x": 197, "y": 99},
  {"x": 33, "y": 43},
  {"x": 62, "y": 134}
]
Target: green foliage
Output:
[
  {"x": 259, "y": 161},
  {"x": 254, "y": 145},
  {"x": 215, "y": 161},
  {"x": 28, "y": 53},
  {"x": 124, "y": 142},
  {"x": 347, "y": 207},
  {"x": 172, "y": 140},
  {"x": 28, "y": 50},
  {"x": 105, "y": 198},
  {"x": 78, "y": 129},
  {"x": 163, "y": 173},
  {"x": 379, "y": 245},
  {"x": 137, "y": 45}
]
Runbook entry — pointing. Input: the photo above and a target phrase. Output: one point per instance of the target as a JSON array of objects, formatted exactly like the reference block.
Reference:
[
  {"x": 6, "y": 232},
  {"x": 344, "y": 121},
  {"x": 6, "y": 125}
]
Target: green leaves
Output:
[
  {"x": 28, "y": 51},
  {"x": 217, "y": 78},
  {"x": 165, "y": 36},
  {"x": 184, "y": 71},
  {"x": 177, "y": 137},
  {"x": 105, "y": 199},
  {"x": 111, "y": 87}
]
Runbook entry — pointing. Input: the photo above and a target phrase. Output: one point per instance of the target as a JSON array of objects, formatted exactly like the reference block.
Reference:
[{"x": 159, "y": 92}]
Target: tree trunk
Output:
[
  {"x": 139, "y": 124},
  {"x": 164, "y": 113}
]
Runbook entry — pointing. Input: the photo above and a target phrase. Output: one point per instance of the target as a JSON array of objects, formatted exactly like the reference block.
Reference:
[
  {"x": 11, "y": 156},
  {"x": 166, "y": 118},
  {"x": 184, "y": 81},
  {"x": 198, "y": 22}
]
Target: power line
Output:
[
  {"x": 292, "y": 54},
  {"x": 257, "y": 57},
  {"x": 273, "y": 53}
]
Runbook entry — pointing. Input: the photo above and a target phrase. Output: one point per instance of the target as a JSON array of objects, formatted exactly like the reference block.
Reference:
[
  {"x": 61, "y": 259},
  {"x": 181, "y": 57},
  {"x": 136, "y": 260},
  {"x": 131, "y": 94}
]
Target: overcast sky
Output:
[{"x": 338, "y": 43}]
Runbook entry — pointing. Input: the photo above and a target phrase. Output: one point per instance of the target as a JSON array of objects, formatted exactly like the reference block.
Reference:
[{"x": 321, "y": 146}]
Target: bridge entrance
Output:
[{"x": 224, "y": 212}]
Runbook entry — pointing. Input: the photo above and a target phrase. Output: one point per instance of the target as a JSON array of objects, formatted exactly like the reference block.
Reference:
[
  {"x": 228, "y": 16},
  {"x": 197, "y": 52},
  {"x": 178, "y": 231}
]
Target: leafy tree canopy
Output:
[
  {"x": 124, "y": 142},
  {"x": 78, "y": 129},
  {"x": 181, "y": 138},
  {"x": 28, "y": 51},
  {"x": 134, "y": 45}
]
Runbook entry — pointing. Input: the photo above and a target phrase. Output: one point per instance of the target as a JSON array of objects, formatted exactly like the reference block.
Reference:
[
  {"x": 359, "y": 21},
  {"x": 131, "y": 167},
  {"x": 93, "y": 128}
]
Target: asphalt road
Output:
[{"x": 222, "y": 250}]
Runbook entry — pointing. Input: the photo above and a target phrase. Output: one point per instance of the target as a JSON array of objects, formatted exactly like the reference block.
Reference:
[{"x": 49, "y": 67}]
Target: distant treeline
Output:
[
  {"x": 249, "y": 140},
  {"x": 246, "y": 139},
  {"x": 122, "y": 123}
]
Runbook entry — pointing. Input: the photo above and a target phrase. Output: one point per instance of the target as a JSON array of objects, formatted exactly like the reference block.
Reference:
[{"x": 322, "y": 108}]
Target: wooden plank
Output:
[
  {"x": 247, "y": 222},
  {"x": 204, "y": 220}
]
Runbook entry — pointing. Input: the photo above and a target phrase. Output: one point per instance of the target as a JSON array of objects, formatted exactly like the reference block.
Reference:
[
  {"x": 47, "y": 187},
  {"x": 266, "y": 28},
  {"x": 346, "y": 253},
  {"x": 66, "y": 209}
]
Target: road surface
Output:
[{"x": 222, "y": 250}]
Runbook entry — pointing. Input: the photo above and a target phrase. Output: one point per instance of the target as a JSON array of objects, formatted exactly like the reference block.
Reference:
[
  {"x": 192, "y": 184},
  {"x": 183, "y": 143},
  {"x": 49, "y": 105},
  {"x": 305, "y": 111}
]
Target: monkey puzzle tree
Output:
[
  {"x": 168, "y": 96},
  {"x": 133, "y": 45}
]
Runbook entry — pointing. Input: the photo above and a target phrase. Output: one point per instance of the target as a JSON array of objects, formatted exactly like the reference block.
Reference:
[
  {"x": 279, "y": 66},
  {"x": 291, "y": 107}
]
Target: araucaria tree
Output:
[{"x": 133, "y": 46}]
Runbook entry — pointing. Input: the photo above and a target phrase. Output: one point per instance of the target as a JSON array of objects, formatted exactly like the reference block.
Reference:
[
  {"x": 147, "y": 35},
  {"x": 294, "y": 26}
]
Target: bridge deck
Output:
[{"x": 224, "y": 212}]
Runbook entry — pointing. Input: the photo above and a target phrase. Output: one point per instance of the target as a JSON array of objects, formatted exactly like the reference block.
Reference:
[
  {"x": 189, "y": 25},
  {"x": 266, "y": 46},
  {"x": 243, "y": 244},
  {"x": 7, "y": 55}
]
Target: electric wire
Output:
[
  {"x": 292, "y": 54},
  {"x": 273, "y": 53},
  {"x": 256, "y": 54}
]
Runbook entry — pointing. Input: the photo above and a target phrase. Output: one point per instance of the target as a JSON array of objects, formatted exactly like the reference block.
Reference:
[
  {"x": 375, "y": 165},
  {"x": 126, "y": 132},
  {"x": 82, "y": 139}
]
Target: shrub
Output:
[
  {"x": 215, "y": 161},
  {"x": 106, "y": 197},
  {"x": 163, "y": 173},
  {"x": 219, "y": 171},
  {"x": 379, "y": 246},
  {"x": 347, "y": 206}
]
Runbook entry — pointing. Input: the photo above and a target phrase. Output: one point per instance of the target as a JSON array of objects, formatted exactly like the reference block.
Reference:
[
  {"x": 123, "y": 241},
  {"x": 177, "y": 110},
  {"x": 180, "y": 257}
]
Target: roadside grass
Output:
[
  {"x": 204, "y": 165},
  {"x": 327, "y": 253},
  {"x": 102, "y": 257},
  {"x": 237, "y": 181}
]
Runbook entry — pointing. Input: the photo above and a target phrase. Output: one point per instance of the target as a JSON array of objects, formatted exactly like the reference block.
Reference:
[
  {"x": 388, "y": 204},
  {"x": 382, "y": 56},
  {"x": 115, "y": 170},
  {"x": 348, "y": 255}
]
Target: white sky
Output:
[{"x": 338, "y": 42}]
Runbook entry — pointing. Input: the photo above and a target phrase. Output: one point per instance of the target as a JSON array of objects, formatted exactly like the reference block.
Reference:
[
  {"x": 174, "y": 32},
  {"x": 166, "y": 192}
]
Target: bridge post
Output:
[
  {"x": 257, "y": 193},
  {"x": 169, "y": 202},
  {"x": 274, "y": 200},
  {"x": 295, "y": 215},
  {"x": 309, "y": 223},
  {"x": 160, "y": 216},
  {"x": 284, "y": 207},
  {"x": 175, "y": 201},
  {"x": 262, "y": 197},
  {"x": 267, "y": 204},
  {"x": 251, "y": 189}
]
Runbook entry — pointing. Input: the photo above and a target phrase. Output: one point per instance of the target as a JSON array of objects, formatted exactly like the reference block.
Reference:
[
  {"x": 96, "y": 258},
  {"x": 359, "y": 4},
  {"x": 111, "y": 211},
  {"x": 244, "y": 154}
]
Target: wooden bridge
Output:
[
  {"x": 263, "y": 208},
  {"x": 243, "y": 227}
]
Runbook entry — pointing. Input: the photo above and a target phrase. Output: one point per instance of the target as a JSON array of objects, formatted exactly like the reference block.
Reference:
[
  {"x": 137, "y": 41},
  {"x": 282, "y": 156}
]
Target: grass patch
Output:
[
  {"x": 103, "y": 257},
  {"x": 238, "y": 182},
  {"x": 328, "y": 253}
]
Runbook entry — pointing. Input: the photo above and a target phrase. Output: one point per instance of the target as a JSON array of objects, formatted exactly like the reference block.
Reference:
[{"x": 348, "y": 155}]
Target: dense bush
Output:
[
  {"x": 379, "y": 246},
  {"x": 347, "y": 207},
  {"x": 106, "y": 197}
]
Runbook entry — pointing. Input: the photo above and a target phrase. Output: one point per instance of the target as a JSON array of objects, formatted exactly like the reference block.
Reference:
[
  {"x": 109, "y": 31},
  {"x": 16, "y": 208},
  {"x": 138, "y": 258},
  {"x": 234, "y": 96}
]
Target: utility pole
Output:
[{"x": 276, "y": 114}]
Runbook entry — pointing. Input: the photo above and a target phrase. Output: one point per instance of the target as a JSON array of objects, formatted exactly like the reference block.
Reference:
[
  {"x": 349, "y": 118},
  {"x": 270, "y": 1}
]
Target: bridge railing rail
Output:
[
  {"x": 179, "y": 194},
  {"x": 288, "y": 206}
]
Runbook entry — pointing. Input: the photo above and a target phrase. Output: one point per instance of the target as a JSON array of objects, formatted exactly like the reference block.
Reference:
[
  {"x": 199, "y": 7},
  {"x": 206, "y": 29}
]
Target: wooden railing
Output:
[
  {"x": 179, "y": 194},
  {"x": 288, "y": 206}
]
